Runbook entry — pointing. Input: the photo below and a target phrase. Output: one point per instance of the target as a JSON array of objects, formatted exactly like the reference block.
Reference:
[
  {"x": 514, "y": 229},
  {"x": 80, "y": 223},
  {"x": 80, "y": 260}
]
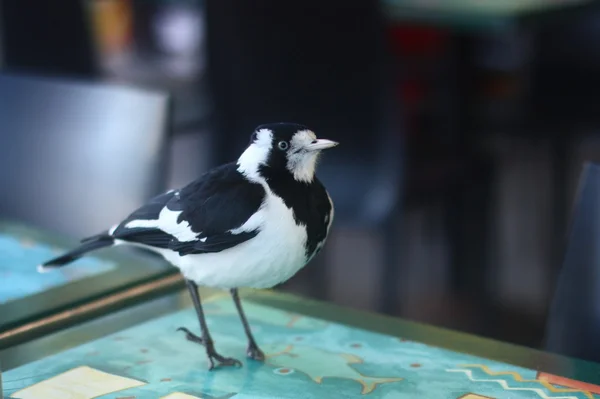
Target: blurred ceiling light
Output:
[{"x": 179, "y": 30}]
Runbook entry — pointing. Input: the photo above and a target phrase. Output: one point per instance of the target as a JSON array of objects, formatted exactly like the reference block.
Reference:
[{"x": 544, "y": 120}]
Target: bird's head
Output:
[{"x": 283, "y": 148}]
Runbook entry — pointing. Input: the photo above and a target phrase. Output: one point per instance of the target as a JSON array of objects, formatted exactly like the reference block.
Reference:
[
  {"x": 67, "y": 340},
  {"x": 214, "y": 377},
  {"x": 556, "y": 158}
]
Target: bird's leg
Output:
[
  {"x": 253, "y": 350},
  {"x": 206, "y": 339}
]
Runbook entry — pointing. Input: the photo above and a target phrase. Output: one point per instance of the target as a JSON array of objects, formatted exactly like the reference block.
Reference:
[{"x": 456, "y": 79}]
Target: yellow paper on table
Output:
[{"x": 79, "y": 383}]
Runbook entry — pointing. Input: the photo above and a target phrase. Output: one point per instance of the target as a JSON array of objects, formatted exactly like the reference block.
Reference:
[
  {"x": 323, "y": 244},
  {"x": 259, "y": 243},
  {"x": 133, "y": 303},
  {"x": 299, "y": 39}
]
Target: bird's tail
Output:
[{"x": 87, "y": 245}]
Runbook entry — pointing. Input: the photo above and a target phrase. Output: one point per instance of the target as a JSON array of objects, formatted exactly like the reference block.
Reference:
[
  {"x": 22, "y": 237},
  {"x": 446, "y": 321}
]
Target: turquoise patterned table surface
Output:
[
  {"x": 19, "y": 257},
  {"x": 307, "y": 357}
]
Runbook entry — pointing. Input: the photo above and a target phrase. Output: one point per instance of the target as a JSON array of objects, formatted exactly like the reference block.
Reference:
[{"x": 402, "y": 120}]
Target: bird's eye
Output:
[
  {"x": 283, "y": 145},
  {"x": 254, "y": 136}
]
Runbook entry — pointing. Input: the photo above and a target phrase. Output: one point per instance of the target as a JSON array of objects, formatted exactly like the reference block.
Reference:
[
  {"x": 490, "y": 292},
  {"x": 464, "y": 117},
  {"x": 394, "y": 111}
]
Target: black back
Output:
[
  {"x": 76, "y": 157},
  {"x": 219, "y": 201}
]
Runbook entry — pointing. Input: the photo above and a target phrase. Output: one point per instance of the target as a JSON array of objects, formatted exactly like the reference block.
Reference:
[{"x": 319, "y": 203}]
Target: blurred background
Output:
[{"x": 463, "y": 126}]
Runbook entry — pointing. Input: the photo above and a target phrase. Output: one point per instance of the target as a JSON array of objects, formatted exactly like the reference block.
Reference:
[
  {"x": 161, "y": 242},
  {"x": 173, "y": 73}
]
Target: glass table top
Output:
[
  {"x": 19, "y": 257},
  {"x": 26, "y": 294},
  {"x": 314, "y": 350}
]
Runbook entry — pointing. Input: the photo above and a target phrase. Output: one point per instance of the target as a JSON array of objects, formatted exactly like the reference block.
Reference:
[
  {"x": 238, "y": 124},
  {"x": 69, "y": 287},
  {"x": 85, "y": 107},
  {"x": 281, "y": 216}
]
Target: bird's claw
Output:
[
  {"x": 210, "y": 351},
  {"x": 222, "y": 361},
  {"x": 255, "y": 353},
  {"x": 191, "y": 336}
]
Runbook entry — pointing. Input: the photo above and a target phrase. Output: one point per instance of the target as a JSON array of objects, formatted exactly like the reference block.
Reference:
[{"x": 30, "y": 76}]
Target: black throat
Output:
[{"x": 282, "y": 183}]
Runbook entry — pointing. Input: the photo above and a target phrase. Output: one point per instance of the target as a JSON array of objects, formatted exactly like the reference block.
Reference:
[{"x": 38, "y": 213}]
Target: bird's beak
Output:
[{"x": 321, "y": 144}]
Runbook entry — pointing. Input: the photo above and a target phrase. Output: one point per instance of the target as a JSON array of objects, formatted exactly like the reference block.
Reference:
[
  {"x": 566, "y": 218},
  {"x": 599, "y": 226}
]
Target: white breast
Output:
[{"x": 272, "y": 257}]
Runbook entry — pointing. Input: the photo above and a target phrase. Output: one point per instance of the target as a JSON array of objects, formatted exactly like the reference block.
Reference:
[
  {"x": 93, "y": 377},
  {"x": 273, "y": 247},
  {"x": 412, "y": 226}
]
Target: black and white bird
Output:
[{"x": 251, "y": 223}]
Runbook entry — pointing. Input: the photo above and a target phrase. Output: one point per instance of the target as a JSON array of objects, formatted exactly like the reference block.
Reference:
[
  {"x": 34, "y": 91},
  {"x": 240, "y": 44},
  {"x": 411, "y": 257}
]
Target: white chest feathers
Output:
[{"x": 272, "y": 257}]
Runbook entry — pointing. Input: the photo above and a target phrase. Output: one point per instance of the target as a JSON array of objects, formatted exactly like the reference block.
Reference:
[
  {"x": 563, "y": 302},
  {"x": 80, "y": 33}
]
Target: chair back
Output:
[
  {"x": 77, "y": 157},
  {"x": 573, "y": 325}
]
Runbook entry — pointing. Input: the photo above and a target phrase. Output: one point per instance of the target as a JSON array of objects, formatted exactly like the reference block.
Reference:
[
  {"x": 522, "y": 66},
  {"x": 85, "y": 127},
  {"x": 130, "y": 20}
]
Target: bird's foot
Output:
[
  {"x": 255, "y": 353},
  {"x": 191, "y": 336},
  {"x": 222, "y": 361},
  {"x": 210, "y": 351}
]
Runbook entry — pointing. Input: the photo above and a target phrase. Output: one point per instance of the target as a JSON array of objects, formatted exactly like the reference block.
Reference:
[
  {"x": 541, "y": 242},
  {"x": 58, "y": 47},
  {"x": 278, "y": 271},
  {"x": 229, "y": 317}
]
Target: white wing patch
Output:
[
  {"x": 111, "y": 231},
  {"x": 254, "y": 222},
  {"x": 167, "y": 222}
]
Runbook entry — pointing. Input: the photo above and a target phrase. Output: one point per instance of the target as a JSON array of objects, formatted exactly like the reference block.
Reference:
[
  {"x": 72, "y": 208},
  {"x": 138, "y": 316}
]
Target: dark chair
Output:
[
  {"x": 76, "y": 157},
  {"x": 564, "y": 101},
  {"x": 322, "y": 64},
  {"x": 573, "y": 325}
]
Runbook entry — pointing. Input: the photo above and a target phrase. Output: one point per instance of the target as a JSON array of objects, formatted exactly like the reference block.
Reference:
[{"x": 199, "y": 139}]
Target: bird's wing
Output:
[
  {"x": 215, "y": 243},
  {"x": 141, "y": 225},
  {"x": 208, "y": 215}
]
